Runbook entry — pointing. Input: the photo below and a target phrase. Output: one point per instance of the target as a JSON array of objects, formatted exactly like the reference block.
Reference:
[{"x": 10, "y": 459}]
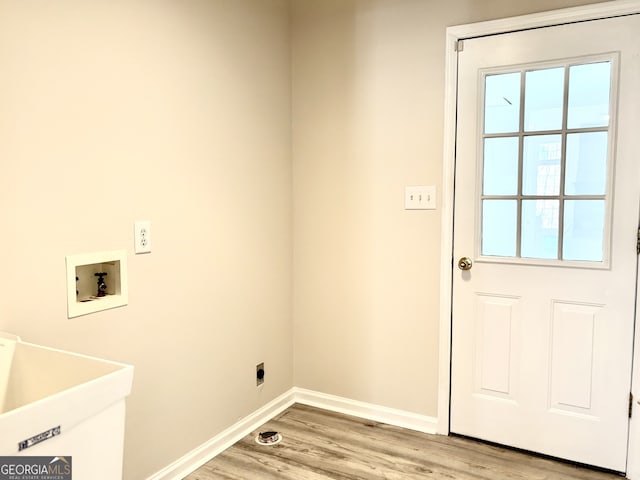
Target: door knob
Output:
[{"x": 465, "y": 263}]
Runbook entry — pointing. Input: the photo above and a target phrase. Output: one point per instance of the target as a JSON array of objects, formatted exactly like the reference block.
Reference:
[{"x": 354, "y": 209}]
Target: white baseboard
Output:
[
  {"x": 377, "y": 413},
  {"x": 205, "y": 452}
]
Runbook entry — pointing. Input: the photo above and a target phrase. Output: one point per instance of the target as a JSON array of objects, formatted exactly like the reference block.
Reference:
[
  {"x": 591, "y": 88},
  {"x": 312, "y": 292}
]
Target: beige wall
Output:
[
  {"x": 368, "y": 95},
  {"x": 171, "y": 111}
]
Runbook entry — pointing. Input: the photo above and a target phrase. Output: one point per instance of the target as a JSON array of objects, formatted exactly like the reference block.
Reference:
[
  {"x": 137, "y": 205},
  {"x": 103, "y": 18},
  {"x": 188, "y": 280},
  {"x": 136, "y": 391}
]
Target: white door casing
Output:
[{"x": 509, "y": 314}]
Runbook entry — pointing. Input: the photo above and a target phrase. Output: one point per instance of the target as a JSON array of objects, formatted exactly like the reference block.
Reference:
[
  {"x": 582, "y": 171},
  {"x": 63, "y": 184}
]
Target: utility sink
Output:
[{"x": 63, "y": 404}]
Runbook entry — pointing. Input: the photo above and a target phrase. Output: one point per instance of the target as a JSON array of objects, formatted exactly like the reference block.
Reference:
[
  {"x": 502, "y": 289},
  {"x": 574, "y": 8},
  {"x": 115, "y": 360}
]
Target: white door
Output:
[{"x": 547, "y": 197}]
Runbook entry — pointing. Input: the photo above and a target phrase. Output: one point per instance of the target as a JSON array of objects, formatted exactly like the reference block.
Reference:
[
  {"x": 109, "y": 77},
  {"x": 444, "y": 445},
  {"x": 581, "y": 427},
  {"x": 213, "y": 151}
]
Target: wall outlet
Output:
[
  {"x": 142, "y": 236},
  {"x": 260, "y": 374}
]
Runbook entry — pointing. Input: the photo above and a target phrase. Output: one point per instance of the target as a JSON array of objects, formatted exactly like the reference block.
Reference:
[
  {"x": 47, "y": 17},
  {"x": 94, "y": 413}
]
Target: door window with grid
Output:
[{"x": 546, "y": 161}]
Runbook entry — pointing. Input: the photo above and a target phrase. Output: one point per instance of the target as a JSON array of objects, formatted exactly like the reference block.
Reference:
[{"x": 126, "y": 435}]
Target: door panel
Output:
[
  {"x": 572, "y": 356},
  {"x": 546, "y": 205},
  {"x": 497, "y": 336}
]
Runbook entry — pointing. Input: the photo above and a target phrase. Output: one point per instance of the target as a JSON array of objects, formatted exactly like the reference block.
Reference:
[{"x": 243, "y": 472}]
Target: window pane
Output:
[
  {"x": 540, "y": 229},
  {"x": 499, "y": 227},
  {"x": 543, "y": 99},
  {"x": 583, "y": 230},
  {"x": 502, "y": 103},
  {"x": 589, "y": 88},
  {"x": 586, "y": 170},
  {"x": 541, "y": 165},
  {"x": 500, "y": 166}
]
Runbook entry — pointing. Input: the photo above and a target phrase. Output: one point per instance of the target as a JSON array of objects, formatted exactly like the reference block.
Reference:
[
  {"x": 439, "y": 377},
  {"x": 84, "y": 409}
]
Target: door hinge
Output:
[
  {"x": 630, "y": 404},
  {"x": 459, "y": 46}
]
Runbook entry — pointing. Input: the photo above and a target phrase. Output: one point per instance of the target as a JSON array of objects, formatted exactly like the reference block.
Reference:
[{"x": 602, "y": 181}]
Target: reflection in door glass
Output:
[
  {"x": 540, "y": 228},
  {"x": 543, "y": 99},
  {"x": 589, "y": 93},
  {"x": 502, "y": 103},
  {"x": 499, "y": 230},
  {"x": 500, "y": 166},
  {"x": 541, "y": 167},
  {"x": 583, "y": 234},
  {"x": 586, "y": 170}
]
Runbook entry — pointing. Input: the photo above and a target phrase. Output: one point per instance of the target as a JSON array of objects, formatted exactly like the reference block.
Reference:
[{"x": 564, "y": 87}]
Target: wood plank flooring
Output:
[{"x": 322, "y": 445}]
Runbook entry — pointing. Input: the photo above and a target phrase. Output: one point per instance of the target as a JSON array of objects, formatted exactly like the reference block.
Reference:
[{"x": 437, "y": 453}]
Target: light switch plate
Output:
[{"x": 421, "y": 197}]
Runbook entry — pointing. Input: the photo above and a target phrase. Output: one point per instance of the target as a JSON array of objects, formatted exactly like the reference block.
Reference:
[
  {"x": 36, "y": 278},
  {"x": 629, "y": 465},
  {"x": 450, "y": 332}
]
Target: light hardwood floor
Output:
[{"x": 322, "y": 445}]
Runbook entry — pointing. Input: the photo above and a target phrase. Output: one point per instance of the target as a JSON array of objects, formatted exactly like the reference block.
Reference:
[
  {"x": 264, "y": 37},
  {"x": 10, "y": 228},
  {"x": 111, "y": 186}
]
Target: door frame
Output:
[{"x": 453, "y": 35}]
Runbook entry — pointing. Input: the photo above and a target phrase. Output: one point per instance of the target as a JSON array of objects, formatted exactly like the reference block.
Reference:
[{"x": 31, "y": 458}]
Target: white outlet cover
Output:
[{"x": 142, "y": 236}]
